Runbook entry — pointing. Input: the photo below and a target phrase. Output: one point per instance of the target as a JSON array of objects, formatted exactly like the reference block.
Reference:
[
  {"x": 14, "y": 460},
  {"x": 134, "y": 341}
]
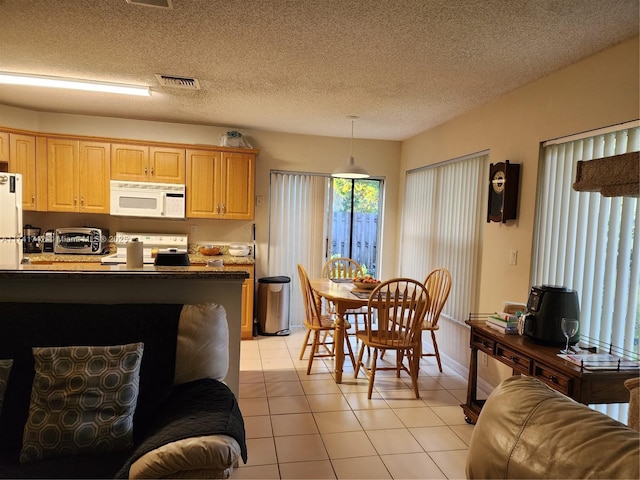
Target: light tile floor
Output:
[{"x": 307, "y": 426}]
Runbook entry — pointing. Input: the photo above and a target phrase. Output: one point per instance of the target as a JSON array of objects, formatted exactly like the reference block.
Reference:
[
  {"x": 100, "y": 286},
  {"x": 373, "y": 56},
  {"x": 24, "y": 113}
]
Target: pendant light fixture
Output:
[{"x": 351, "y": 170}]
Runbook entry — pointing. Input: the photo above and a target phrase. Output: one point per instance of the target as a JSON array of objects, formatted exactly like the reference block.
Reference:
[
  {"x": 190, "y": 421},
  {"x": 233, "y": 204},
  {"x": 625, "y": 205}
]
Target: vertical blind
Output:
[
  {"x": 441, "y": 227},
  {"x": 297, "y": 207},
  {"x": 589, "y": 243}
]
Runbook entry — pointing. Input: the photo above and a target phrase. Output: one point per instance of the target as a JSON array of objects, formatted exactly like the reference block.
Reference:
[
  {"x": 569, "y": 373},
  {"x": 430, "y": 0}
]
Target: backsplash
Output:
[{"x": 200, "y": 231}]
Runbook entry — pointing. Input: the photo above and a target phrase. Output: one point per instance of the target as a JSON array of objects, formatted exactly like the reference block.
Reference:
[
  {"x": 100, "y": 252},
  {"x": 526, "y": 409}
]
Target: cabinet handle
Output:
[
  {"x": 553, "y": 378},
  {"x": 75, "y": 201},
  {"x": 217, "y": 208},
  {"x": 223, "y": 208},
  {"x": 33, "y": 199},
  {"x": 152, "y": 171},
  {"x": 514, "y": 359},
  {"x": 82, "y": 201},
  {"x": 145, "y": 170}
]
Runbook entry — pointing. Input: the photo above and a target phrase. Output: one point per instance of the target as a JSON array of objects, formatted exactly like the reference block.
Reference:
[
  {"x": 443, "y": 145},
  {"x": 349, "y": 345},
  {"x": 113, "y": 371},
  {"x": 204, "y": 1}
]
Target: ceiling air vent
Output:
[
  {"x": 152, "y": 3},
  {"x": 178, "y": 82}
]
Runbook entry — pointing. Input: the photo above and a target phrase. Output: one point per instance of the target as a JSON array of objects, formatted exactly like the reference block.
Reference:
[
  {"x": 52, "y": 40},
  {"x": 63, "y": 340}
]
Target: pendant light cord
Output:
[{"x": 352, "y": 122}]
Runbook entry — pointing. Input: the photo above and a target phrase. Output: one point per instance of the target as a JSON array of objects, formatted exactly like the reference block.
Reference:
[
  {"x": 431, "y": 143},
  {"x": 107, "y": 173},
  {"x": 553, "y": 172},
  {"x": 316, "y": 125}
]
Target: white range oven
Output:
[{"x": 150, "y": 241}]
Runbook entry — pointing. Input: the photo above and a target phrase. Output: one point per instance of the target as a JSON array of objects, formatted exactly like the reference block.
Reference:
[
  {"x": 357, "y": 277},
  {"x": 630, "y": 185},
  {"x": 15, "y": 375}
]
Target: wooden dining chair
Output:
[
  {"x": 344, "y": 268},
  {"x": 341, "y": 267},
  {"x": 401, "y": 305},
  {"x": 317, "y": 324},
  {"x": 438, "y": 284}
]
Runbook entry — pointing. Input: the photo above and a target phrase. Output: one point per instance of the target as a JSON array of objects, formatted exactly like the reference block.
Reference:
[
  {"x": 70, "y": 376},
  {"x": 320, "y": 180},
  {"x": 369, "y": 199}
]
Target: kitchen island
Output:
[{"x": 113, "y": 284}]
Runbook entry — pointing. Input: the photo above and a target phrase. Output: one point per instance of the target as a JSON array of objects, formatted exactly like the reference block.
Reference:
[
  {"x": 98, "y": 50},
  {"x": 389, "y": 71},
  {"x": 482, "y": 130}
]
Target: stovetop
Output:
[{"x": 150, "y": 241}]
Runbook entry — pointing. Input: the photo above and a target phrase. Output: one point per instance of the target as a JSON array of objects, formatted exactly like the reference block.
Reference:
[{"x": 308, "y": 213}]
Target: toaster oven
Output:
[{"x": 82, "y": 241}]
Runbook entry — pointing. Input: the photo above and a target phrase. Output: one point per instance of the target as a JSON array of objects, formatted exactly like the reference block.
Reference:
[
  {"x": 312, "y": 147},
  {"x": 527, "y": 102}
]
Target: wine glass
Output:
[{"x": 569, "y": 328}]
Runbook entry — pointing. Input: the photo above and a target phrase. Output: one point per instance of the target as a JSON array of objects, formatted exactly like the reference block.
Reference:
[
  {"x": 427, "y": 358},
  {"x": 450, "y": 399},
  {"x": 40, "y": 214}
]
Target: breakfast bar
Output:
[{"x": 117, "y": 284}]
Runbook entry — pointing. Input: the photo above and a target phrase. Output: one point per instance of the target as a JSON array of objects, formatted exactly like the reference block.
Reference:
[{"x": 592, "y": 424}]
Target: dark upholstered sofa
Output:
[{"x": 124, "y": 391}]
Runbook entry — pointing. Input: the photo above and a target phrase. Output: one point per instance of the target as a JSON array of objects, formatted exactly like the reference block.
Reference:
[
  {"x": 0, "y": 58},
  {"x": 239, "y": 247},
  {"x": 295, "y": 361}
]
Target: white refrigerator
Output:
[{"x": 10, "y": 219}]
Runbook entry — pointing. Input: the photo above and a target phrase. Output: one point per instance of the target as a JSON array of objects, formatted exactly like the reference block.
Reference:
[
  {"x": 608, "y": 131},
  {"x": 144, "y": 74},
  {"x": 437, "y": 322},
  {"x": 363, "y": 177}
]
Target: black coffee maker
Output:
[
  {"x": 31, "y": 239},
  {"x": 546, "y": 307}
]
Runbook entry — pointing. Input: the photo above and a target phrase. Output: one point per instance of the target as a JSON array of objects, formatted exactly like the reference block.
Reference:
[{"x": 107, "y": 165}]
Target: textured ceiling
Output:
[{"x": 302, "y": 66}]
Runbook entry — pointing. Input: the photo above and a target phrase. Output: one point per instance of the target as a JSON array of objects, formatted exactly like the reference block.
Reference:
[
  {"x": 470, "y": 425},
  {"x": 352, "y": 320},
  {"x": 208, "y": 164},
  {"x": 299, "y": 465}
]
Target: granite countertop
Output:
[{"x": 194, "y": 257}]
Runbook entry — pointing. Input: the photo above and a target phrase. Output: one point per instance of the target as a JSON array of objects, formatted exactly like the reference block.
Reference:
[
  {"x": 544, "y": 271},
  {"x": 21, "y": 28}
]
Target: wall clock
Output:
[{"x": 504, "y": 178}]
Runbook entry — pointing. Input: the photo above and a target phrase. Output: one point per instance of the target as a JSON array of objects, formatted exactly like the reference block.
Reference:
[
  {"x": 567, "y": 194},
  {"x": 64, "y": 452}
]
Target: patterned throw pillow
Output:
[
  {"x": 82, "y": 400},
  {"x": 5, "y": 370}
]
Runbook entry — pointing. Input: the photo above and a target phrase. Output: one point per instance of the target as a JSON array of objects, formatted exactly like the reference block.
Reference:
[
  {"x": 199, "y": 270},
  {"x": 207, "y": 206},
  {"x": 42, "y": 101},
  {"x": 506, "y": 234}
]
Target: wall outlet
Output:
[
  {"x": 513, "y": 257},
  {"x": 259, "y": 200},
  {"x": 194, "y": 229}
]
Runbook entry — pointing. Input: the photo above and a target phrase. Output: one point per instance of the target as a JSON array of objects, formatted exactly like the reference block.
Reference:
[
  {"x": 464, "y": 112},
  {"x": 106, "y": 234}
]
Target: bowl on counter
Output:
[
  {"x": 209, "y": 250},
  {"x": 239, "y": 249}
]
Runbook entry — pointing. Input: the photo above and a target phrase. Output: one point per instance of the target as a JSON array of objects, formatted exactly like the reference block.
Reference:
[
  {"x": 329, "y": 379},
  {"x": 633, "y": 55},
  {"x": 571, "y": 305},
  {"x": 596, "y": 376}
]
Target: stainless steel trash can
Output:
[{"x": 273, "y": 305}]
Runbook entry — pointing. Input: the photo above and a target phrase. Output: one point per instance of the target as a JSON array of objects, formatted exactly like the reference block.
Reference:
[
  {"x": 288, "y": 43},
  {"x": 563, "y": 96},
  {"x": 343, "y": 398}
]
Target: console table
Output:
[{"x": 526, "y": 357}]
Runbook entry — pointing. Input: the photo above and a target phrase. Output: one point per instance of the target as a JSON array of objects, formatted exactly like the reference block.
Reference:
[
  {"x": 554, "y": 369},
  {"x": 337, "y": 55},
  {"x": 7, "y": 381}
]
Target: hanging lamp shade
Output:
[{"x": 351, "y": 170}]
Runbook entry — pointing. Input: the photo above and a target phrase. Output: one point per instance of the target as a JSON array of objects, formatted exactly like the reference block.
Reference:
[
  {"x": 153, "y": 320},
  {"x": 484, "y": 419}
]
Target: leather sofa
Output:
[
  {"x": 184, "y": 421},
  {"x": 527, "y": 430}
]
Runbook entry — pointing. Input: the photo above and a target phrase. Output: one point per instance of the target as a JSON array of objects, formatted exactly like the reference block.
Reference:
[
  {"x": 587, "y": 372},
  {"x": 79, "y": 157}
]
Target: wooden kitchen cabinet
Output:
[
  {"x": 220, "y": 184},
  {"x": 61, "y": 173},
  {"x": 248, "y": 288},
  {"x": 141, "y": 163},
  {"x": 93, "y": 183},
  {"x": 22, "y": 160},
  {"x": 78, "y": 176},
  {"x": 238, "y": 178},
  {"x": 4, "y": 147}
]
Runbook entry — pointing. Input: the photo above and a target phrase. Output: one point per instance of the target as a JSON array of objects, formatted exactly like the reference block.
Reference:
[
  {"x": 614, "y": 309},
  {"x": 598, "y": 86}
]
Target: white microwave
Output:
[{"x": 143, "y": 199}]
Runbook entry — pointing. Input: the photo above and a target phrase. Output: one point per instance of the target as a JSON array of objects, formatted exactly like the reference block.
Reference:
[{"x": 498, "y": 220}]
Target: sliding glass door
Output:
[
  {"x": 314, "y": 217},
  {"x": 353, "y": 223}
]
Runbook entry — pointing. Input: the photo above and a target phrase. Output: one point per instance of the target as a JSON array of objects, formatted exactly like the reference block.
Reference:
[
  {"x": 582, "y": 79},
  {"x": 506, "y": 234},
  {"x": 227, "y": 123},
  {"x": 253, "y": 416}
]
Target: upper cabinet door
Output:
[
  {"x": 166, "y": 165},
  {"x": 22, "y": 159},
  {"x": 141, "y": 163},
  {"x": 203, "y": 171},
  {"x": 62, "y": 175},
  {"x": 238, "y": 186},
  {"x": 129, "y": 162},
  {"x": 95, "y": 166},
  {"x": 4, "y": 147},
  {"x": 220, "y": 185}
]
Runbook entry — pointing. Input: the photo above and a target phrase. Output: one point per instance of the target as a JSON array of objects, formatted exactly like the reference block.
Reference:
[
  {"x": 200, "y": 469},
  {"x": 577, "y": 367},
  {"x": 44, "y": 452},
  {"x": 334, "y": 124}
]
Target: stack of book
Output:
[{"x": 504, "y": 323}]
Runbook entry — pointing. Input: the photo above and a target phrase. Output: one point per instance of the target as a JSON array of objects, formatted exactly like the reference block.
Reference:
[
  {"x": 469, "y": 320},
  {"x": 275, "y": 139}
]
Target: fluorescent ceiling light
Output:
[{"x": 70, "y": 83}]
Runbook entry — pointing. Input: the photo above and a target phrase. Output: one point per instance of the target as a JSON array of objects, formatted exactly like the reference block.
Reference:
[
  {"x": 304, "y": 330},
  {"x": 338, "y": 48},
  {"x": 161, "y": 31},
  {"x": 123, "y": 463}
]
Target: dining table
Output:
[{"x": 345, "y": 296}]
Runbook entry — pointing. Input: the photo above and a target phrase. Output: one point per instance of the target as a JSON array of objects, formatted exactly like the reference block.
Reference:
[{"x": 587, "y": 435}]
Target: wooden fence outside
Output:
[{"x": 365, "y": 238}]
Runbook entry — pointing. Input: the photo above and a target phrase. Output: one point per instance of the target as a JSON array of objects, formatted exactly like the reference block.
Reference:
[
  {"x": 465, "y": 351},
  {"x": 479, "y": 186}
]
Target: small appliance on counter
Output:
[
  {"x": 152, "y": 244},
  {"x": 172, "y": 257},
  {"x": 81, "y": 241},
  {"x": 49, "y": 241},
  {"x": 31, "y": 241},
  {"x": 546, "y": 307}
]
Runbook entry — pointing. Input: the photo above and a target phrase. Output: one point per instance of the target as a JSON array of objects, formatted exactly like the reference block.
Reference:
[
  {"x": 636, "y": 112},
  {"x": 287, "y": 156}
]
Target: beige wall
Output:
[{"x": 599, "y": 91}]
